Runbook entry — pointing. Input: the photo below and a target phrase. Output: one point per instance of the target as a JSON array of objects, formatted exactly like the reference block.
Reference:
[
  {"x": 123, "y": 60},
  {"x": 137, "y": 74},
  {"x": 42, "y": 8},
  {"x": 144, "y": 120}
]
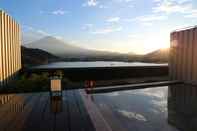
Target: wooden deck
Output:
[{"x": 40, "y": 112}]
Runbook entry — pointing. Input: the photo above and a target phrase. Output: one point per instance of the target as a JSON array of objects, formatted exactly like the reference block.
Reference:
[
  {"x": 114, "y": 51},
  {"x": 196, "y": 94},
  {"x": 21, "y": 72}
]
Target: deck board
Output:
[
  {"x": 61, "y": 115},
  {"x": 10, "y": 110},
  {"x": 75, "y": 117},
  {"x": 35, "y": 119},
  {"x": 86, "y": 119},
  {"x": 23, "y": 113},
  {"x": 40, "y": 111}
]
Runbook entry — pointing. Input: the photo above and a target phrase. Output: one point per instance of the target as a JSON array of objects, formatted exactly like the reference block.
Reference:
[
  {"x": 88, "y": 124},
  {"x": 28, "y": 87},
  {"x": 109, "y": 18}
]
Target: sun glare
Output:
[{"x": 156, "y": 43}]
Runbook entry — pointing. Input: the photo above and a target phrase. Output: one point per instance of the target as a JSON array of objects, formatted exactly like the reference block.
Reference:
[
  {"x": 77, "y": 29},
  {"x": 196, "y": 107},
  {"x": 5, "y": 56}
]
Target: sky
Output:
[{"x": 136, "y": 26}]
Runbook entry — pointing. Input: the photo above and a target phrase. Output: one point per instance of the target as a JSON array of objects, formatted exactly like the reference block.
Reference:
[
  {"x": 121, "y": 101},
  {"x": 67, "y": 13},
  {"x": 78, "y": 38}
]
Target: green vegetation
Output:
[
  {"x": 32, "y": 83},
  {"x": 28, "y": 83}
]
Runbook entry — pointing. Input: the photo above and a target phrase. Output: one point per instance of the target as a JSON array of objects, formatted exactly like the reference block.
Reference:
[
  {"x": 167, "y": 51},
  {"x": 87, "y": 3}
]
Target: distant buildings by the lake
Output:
[{"x": 10, "y": 48}]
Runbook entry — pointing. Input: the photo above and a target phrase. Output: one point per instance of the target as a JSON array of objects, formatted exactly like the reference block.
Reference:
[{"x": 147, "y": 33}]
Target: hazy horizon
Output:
[{"x": 137, "y": 26}]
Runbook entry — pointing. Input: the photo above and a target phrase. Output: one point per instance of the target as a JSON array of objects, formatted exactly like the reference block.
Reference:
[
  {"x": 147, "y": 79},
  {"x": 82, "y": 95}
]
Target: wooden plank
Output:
[
  {"x": 12, "y": 43},
  {"x": 75, "y": 116},
  {"x": 5, "y": 98},
  {"x": 34, "y": 120},
  {"x": 180, "y": 40},
  {"x": 61, "y": 116},
  {"x": 108, "y": 89},
  {"x": 48, "y": 118},
  {"x": 14, "y": 47},
  {"x": 195, "y": 56},
  {"x": 178, "y": 55},
  {"x": 181, "y": 55},
  {"x": 8, "y": 46},
  {"x": 109, "y": 112},
  {"x": 175, "y": 55},
  {"x": 189, "y": 54},
  {"x": 88, "y": 124},
  {"x": 97, "y": 118},
  {"x": 185, "y": 56},
  {"x": 172, "y": 56},
  {"x": 1, "y": 47},
  {"x": 22, "y": 111},
  {"x": 9, "y": 110}
]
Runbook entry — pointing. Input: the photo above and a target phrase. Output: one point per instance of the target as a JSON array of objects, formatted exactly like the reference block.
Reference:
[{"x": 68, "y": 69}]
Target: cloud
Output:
[
  {"x": 147, "y": 23},
  {"x": 107, "y": 30},
  {"x": 172, "y": 6},
  {"x": 134, "y": 36},
  {"x": 184, "y": 7},
  {"x": 120, "y": 1},
  {"x": 128, "y": 0},
  {"x": 113, "y": 19},
  {"x": 191, "y": 14},
  {"x": 55, "y": 12},
  {"x": 132, "y": 115},
  {"x": 87, "y": 27},
  {"x": 31, "y": 34},
  {"x": 149, "y": 18},
  {"x": 90, "y": 3},
  {"x": 59, "y": 12},
  {"x": 103, "y": 7},
  {"x": 42, "y": 32}
]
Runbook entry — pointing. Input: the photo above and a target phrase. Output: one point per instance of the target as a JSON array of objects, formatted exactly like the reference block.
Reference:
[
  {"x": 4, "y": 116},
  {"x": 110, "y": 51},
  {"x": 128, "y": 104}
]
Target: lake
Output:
[{"x": 97, "y": 64}]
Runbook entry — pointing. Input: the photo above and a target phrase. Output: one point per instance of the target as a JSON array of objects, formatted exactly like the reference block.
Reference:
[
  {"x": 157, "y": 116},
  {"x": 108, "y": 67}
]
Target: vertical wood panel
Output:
[
  {"x": 8, "y": 44},
  {"x": 186, "y": 36},
  {"x": 14, "y": 47},
  {"x": 3, "y": 46},
  {"x": 183, "y": 61},
  {"x": 195, "y": 56},
  {"x": 181, "y": 42},
  {"x": 174, "y": 55},
  {"x": 9, "y": 47},
  {"x": 191, "y": 54},
  {"x": 20, "y": 41},
  {"x": 17, "y": 48},
  {"x": 184, "y": 55},
  {"x": 188, "y": 54},
  {"x": 178, "y": 55},
  {"x": 1, "y": 42},
  {"x": 171, "y": 56},
  {"x": 11, "y": 38}
]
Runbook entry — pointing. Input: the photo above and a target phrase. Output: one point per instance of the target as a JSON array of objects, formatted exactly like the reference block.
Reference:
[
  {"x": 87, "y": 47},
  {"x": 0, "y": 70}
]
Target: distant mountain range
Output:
[
  {"x": 31, "y": 57},
  {"x": 49, "y": 49},
  {"x": 161, "y": 55},
  {"x": 65, "y": 50}
]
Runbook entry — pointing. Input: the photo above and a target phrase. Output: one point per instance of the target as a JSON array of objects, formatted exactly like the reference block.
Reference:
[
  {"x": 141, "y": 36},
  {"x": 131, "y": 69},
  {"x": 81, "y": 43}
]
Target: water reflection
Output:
[
  {"x": 12, "y": 103},
  {"x": 56, "y": 104},
  {"x": 182, "y": 107},
  {"x": 142, "y": 109},
  {"x": 5, "y": 99},
  {"x": 163, "y": 108}
]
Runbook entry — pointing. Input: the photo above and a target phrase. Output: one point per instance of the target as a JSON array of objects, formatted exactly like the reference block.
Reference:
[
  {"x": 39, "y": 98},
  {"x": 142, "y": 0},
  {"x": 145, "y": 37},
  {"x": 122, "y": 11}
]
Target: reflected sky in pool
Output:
[{"x": 138, "y": 110}]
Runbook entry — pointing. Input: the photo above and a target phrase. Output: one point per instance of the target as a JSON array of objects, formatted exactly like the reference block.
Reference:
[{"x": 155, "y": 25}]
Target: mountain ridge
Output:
[
  {"x": 64, "y": 50},
  {"x": 68, "y": 52}
]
